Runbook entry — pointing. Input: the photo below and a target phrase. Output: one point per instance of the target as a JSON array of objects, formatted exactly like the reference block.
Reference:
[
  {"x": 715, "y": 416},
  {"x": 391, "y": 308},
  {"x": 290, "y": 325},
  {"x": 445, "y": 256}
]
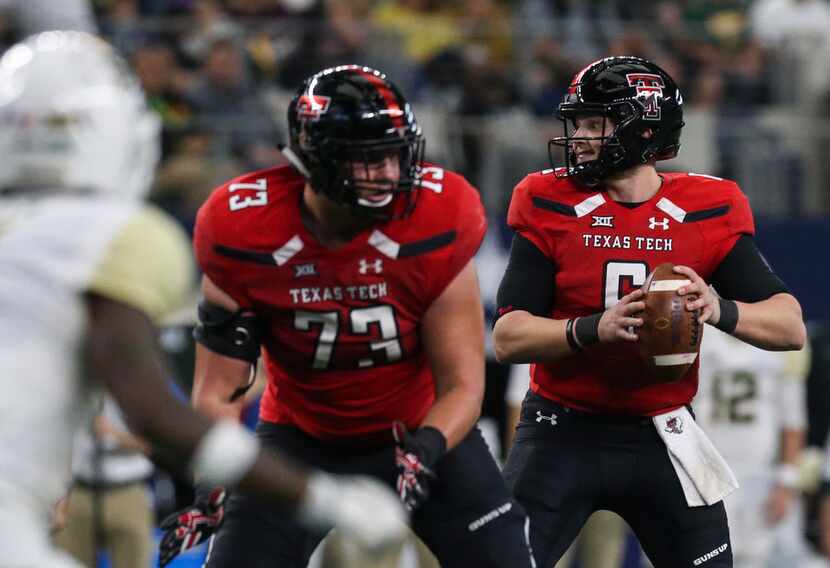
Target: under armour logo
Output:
[
  {"x": 309, "y": 269},
  {"x": 602, "y": 221},
  {"x": 653, "y": 223},
  {"x": 375, "y": 266},
  {"x": 552, "y": 418}
]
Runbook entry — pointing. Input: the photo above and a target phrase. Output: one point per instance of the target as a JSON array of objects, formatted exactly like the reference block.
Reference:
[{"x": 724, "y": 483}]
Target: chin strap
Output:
[{"x": 294, "y": 160}]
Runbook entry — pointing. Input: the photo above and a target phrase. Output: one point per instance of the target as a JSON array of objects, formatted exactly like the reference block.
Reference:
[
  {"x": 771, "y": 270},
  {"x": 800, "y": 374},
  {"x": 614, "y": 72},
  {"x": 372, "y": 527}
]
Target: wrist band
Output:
[
  {"x": 569, "y": 335},
  {"x": 787, "y": 475},
  {"x": 586, "y": 330},
  {"x": 224, "y": 455},
  {"x": 728, "y": 316}
]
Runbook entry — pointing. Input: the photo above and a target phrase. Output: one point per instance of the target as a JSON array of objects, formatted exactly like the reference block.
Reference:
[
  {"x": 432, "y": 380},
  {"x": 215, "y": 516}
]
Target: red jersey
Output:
[
  {"x": 602, "y": 250},
  {"x": 342, "y": 346}
]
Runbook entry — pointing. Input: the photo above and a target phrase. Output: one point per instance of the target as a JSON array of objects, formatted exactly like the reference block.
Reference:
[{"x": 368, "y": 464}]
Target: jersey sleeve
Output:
[
  {"x": 520, "y": 216},
  {"x": 738, "y": 221},
  {"x": 148, "y": 265},
  {"x": 470, "y": 225},
  {"x": 210, "y": 223}
]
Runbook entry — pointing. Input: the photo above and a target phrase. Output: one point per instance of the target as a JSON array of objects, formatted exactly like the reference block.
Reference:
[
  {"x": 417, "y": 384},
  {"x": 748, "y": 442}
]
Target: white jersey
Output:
[
  {"x": 746, "y": 396},
  {"x": 53, "y": 250}
]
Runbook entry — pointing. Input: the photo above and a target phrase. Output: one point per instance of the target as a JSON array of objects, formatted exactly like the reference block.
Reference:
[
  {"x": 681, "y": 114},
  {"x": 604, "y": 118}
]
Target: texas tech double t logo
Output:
[{"x": 649, "y": 92}]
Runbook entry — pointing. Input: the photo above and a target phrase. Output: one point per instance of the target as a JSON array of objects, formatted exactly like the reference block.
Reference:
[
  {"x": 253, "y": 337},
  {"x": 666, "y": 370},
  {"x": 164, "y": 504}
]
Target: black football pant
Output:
[
  {"x": 564, "y": 465},
  {"x": 469, "y": 520}
]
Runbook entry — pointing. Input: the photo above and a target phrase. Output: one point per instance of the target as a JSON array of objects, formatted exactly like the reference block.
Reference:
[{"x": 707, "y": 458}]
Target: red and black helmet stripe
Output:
[
  {"x": 578, "y": 77},
  {"x": 396, "y": 113}
]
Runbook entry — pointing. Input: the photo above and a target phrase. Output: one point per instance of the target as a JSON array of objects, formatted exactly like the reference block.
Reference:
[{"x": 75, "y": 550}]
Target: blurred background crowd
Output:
[{"x": 485, "y": 77}]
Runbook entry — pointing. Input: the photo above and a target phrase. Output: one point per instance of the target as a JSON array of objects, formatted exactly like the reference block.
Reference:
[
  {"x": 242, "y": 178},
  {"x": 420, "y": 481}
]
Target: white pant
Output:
[{"x": 753, "y": 541}]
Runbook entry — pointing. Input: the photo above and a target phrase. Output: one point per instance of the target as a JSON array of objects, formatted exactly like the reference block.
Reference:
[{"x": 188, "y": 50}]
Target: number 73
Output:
[{"x": 360, "y": 320}]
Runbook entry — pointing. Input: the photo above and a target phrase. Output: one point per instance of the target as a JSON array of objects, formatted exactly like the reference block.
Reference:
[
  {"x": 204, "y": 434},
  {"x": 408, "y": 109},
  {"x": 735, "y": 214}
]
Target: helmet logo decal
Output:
[
  {"x": 312, "y": 106},
  {"x": 649, "y": 92}
]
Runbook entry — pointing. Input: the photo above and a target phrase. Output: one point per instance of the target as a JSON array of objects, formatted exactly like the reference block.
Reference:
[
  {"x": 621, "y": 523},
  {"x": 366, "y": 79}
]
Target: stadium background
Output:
[{"x": 485, "y": 77}]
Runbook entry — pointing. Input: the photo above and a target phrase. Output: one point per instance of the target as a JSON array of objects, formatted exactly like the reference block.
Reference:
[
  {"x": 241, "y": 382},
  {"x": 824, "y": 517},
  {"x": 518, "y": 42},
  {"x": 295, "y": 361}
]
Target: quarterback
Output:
[
  {"x": 86, "y": 268},
  {"x": 351, "y": 272},
  {"x": 597, "y": 431}
]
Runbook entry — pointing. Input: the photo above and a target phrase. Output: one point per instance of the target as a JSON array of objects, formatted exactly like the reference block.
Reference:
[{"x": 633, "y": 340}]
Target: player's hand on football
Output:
[
  {"x": 193, "y": 525},
  {"x": 414, "y": 475},
  {"x": 701, "y": 296},
  {"x": 620, "y": 321}
]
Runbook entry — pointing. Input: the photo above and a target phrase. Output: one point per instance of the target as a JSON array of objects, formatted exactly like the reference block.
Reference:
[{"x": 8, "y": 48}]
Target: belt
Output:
[{"x": 537, "y": 402}]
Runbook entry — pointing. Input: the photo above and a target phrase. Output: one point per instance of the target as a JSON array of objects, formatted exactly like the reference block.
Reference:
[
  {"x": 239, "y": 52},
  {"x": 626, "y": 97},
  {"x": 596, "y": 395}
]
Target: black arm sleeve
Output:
[
  {"x": 232, "y": 334},
  {"x": 745, "y": 275},
  {"x": 528, "y": 282}
]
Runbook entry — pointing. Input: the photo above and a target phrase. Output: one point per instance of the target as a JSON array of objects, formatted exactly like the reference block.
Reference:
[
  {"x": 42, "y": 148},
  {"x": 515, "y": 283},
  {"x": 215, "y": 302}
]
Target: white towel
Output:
[{"x": 704, "y": 474}]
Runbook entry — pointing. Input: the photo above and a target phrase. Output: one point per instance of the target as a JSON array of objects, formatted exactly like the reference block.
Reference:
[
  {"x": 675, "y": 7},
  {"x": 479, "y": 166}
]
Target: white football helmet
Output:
[{"x": 73, "y": 117}]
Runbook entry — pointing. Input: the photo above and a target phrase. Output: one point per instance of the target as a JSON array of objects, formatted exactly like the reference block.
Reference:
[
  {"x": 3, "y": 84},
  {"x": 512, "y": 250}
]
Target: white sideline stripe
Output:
[
  {"x": 588, "y": 205},
  {"x": 676, "y": 359},
  {"x": 667, "y": 285},
  {"x": 287, "y": 251},
  {"x": 384, "y": 244},
  {"x": 675, "y": 212}
]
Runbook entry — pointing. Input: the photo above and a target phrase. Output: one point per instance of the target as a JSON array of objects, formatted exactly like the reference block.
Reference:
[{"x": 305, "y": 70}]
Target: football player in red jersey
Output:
[
  {"x": 351, "y": 270},
  {"x": 596, "y": 432}
]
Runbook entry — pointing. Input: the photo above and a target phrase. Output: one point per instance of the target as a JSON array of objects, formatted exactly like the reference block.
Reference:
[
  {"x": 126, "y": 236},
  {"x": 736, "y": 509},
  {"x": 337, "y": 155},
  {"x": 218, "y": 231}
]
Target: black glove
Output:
[
  {"x": 415, "y": 457},
  {"x": 186, "y": 528}
]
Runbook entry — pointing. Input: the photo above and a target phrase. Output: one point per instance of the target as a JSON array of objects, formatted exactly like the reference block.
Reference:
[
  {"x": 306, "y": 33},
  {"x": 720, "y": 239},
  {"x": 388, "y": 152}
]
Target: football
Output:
[{"x": 670, "y": 335}]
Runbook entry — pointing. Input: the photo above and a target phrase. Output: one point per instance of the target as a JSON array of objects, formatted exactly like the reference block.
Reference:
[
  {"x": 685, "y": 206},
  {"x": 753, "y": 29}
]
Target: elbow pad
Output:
[{"x": 232, "y": 334}]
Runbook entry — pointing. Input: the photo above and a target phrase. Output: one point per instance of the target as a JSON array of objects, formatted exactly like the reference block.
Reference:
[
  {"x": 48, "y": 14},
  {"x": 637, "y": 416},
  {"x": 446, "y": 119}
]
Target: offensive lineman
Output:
[
  {"x": 352, "y": 269},
  {"x": 86, "y": 265}
]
